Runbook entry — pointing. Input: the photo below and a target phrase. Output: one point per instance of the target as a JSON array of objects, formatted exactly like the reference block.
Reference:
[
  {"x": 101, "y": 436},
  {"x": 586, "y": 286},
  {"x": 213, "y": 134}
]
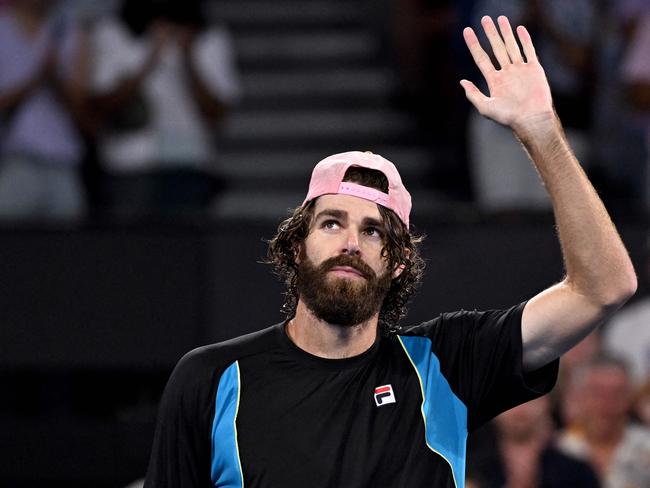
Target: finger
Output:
[
  {"x": 480, "y": 57},
  {"x": 527, "y": 44},
  {"x": 511, "y": 43},
  {"x": 498, "y": 48},
  {"x": 474, "y": 95}
]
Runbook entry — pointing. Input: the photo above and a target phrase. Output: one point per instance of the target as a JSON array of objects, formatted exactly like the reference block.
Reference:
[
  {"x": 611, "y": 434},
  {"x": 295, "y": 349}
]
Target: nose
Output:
[{"x": 351, "y": 246}]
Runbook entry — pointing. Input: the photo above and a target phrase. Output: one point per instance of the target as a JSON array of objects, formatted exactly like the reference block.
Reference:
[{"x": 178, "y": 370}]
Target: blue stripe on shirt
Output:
[
  {"x": 226, "y": 466},
  {"x": 445, "y": 415}
]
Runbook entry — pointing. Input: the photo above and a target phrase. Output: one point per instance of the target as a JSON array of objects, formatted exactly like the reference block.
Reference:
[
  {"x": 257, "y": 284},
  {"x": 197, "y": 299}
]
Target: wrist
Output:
[
  {"x": 539, "y": 129},
  {"x": 538, "y": 124}
]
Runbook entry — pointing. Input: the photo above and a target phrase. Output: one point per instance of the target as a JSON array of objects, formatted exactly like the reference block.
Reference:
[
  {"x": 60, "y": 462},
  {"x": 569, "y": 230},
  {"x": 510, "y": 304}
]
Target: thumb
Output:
[{"x": 473, "y": 94}]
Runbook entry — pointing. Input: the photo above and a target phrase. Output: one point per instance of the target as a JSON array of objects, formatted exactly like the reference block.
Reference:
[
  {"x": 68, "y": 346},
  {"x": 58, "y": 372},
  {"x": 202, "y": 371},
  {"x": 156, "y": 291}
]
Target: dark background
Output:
[
  {"x": 94, "y": 319},
  {"x": 94, "y": 314}
]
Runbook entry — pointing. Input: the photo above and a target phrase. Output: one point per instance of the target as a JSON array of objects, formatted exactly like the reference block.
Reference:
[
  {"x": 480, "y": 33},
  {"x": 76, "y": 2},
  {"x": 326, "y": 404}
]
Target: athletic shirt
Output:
[{"x": 259, "y": 412}]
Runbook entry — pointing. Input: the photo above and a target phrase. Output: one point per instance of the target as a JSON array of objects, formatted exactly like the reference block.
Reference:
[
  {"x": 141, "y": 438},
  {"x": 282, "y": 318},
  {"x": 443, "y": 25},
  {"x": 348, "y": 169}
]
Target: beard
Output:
[{"x": 341, "y": 301}]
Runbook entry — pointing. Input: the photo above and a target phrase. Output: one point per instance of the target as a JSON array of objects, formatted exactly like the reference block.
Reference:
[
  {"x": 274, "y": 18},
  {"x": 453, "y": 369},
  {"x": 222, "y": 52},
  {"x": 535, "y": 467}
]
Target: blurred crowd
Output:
[
  {"x": 119, "y": 112},
  {"x": 116, "y": 105},
  {"x": 595, "y": 55},
  {"x": 592, "y": 430},
  {"x": 115, "y": 111}
]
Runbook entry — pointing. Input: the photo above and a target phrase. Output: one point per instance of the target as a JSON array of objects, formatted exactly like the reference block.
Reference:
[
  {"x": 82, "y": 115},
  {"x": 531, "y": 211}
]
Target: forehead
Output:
[
  {"x": 607, "y": 375},
  {"x": 353, "y": 207}
]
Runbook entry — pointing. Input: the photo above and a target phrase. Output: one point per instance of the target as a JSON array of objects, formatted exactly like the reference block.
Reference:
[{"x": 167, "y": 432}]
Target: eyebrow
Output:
[
  {"x": 373, "y": 222},
  {"x": 341, "y": 214},
  {"x": 330, "y": 212}
]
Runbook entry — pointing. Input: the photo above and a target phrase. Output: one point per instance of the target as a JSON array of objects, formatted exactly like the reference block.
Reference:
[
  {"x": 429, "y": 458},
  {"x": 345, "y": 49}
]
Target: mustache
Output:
[{"x": 347, "y": 260}]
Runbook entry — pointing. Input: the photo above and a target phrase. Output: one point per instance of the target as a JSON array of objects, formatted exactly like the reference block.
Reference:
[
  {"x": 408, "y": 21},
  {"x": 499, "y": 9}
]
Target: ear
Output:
[
  {"x": 399, "y": 269},
  {"x": 297, "y": 252}
]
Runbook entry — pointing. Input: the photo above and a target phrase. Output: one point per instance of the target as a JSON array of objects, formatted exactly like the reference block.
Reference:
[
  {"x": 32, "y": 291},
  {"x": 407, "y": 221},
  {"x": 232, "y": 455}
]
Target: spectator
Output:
[
  {"x": 635, "y": 73},
  {"x": 42, "y": 87},
  {"x": 641, "y": 404},
  {"x": 564, "y": 33},
  {"x": 431, "y": 57},
  {"x": 628, "y": 334},
  {"x": 163, "y": 80},
  {"x": 525, "y": 456},
  {"x": 602, "y": 434},
  {"x": 618, "y": 149},
  {"x": 564, "y": 401}
]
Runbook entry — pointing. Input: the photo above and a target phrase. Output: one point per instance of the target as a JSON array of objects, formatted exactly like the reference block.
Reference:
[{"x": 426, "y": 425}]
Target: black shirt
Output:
[{"x": 257, "y": 411}]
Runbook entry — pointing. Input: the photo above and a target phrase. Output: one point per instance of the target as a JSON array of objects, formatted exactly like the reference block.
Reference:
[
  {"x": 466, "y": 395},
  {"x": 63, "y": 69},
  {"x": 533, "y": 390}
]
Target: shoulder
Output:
[
  {"x": 198, "y": 372},
  {"x": 214, "y": 44},
  {"x": 567, "y": 470},
  {"x": 108, "y": 31},
  {"x": 464, "y": 321},
  {"x": 635, "y": 313},
  {"x": 218, "y": 34},
  {"x": 218, "y": 356},
  {"x": 630, "y": 464},
  {"x": 637, "y": 437},
  {"x": 6, "y": 17},
  {"x": 7, "y": 29}
]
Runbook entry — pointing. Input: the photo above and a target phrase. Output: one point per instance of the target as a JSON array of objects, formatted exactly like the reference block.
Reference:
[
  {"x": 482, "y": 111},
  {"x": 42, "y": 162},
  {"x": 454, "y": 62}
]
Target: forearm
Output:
[
  {"x": 599, "y": 273},
  {"x": 13, "y": 97},
  {"x": 638, "y": 94},
  {"x": 596, "y": 261},
  {"x": 107, "y": 104},
  {"x": 211, "y": 106},
  {"x": 75, "y": 87}
]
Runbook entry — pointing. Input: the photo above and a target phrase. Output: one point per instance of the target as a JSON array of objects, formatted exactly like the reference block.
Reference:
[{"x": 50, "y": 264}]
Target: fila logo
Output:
[{"x": 384, "y": 395}]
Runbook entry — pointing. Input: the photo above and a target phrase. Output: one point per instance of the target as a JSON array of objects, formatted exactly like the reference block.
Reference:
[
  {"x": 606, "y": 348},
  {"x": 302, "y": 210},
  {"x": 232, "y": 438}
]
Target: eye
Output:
[
  {"x": 330, "y": 224},
  {"x": 374, "y": 232}
]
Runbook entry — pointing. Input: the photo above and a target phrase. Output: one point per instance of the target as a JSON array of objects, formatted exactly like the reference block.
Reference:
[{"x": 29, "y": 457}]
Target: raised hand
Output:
[{"x": 519, "y": 94}]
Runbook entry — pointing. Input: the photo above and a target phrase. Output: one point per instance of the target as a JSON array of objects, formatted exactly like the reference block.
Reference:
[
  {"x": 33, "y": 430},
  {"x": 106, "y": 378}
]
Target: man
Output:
[
  {"x": 601, "y": 432},
  {"x": 628, "y": 334},
  {"x": 525, "y": 455},
  {"x": 339, "y": 395},
  {"x": 163, "y": 80},
  {"x": 42, "y": 88}
]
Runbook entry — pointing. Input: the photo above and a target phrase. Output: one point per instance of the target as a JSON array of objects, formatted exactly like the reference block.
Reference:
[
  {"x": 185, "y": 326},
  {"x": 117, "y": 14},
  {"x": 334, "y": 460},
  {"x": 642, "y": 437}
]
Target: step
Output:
[
  {"x": 338, "y": 125},
  {"x": 305, "y": 48},
  {"x": 335, "y": 83},
  {"x": 296, "y": 166},
  {"x": 283, "y": 13},
  {"x": 276, "y": 205}
]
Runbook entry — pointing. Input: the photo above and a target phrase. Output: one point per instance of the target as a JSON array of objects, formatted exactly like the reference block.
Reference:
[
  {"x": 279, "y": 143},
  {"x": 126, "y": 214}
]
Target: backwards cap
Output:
[{"x": 327, "y": 178}]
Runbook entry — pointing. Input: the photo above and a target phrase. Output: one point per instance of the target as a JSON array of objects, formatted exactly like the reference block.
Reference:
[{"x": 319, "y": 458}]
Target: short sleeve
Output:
[
  {"x": 116, "y": 55},
  {"x": 180, "y": 455},
  {"x": 480, "y": 355},
  {"x": 636, "y": 62},
  {"x": 215, "y": 59}
]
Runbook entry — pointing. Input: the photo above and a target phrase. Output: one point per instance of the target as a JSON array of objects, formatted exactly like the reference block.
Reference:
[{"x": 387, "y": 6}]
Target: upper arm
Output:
[
  {"x": 180, "y": 454},
  {"x": 216, "y": 64},
  {"x": 555, "y": 320},
  {"x": 480, "y": 356}
]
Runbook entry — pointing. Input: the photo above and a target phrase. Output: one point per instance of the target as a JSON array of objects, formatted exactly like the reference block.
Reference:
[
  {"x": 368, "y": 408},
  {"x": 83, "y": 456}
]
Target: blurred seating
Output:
[
  {"x": 42, "y": 86},
  {"x": 163, "y": 79},
  {"x": 564, "y": 33},
  {"x": 601, "y": 432}
]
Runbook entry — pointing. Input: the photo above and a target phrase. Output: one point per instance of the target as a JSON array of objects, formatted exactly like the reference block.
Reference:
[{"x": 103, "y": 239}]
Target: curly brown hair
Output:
[{"x": 401, "y": 249}]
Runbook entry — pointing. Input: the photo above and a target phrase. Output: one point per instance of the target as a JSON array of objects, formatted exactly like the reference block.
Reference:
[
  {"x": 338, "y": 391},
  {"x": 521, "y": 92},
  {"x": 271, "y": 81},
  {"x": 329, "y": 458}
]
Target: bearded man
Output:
[{"x": 341, "y": 395}]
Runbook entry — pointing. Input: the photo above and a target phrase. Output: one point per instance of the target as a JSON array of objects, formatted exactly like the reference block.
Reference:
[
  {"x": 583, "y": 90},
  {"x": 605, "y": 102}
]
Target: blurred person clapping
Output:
[
  {"x": 42, "y": 89},
  {"x": 163, "y": 79}
]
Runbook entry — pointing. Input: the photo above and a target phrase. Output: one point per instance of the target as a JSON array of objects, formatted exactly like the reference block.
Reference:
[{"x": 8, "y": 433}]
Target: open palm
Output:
[{"x": 518, "y": 90}]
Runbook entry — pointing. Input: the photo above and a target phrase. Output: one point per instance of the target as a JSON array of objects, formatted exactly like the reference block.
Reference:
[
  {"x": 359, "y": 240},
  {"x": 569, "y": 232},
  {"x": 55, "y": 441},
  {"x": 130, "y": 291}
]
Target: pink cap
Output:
[{"x": 327, "y": 178}]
